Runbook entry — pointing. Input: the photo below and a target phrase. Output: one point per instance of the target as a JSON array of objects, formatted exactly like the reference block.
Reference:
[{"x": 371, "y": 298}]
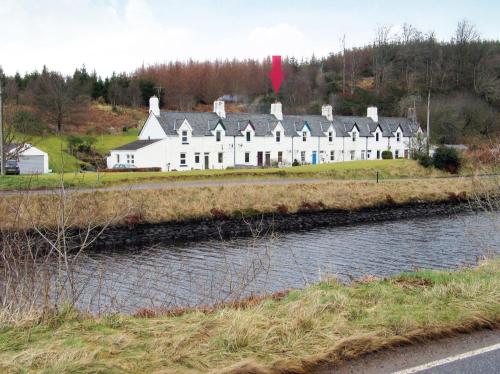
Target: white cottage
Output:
[{"x": 217, "y": 140}]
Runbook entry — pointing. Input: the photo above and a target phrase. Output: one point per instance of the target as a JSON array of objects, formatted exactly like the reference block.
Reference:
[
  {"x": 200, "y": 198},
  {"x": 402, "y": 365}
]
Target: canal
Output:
[{"x": 170, "y": 275}]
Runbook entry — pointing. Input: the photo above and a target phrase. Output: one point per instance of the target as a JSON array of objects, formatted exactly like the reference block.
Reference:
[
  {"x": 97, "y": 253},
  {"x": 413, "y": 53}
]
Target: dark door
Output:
[
  {"x": 406, "y": 153},
  {"x": 207, "y": 161},
  {"x": 259, "y": 158},
  {"x": 268, "y": 158}
]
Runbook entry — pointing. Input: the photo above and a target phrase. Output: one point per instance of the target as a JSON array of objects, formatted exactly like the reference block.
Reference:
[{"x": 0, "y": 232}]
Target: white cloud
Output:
[
  {"x": 78, "y": 32},
  {"x": 280, "y": 39}
]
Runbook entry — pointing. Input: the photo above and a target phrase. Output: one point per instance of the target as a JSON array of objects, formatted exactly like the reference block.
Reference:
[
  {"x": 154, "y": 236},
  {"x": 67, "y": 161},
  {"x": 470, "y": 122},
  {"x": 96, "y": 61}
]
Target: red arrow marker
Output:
[{"x": 276, "y": 75}]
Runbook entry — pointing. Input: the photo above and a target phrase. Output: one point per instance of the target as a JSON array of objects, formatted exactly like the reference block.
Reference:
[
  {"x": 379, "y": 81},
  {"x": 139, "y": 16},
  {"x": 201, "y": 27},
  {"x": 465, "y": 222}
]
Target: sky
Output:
[{"x": 122, "y": 35}]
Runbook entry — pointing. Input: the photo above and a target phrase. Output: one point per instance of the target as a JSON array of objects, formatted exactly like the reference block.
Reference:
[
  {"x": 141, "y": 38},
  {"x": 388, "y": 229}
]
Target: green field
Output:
[
  {"x": 387, "y": 169},
  {"x": 57, "y": 146},
  {"x": 291, "y": 332}
]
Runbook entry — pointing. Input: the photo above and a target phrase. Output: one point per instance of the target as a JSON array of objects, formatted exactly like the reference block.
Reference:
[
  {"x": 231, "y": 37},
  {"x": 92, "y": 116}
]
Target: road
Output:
[
  {"x": 219, "y": 183},
  {"x": 477, "y": 352}
]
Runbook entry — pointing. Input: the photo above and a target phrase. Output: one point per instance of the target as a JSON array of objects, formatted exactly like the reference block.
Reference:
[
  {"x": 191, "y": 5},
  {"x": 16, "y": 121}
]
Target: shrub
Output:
[
  {"x": 295, "y": 163},
  {"x": 82, "y": 144},
  {"x": 446, "y": 159},
  {"x": 425, "y": 160},
  {"x": 387, "y": 155}
]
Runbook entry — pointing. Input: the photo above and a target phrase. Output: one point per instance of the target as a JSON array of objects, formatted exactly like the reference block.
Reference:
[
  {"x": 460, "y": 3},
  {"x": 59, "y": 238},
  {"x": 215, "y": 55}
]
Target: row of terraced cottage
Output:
[{"x": 217, "y": 140}]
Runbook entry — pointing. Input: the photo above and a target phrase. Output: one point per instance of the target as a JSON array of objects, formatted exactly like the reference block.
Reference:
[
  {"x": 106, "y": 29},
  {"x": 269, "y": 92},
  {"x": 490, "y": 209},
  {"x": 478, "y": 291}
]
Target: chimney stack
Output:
[
  {"x": 327, "y": 111},
  {"x": 154, "y": 105},
  {"x": 276, "y": 111},
  {"x": 219, "y": 108},
  {"x": 372, "y": 112}
]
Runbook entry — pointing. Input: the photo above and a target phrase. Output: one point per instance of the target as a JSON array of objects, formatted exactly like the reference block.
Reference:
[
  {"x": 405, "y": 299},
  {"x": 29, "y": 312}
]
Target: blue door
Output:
[{"x": 314, "y": 158}]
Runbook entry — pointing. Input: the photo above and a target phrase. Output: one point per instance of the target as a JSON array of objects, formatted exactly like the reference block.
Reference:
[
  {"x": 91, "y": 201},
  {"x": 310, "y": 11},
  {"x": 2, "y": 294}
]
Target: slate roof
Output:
[
  {"x": 138, "y": 144},
  {"x": 203, "y": 123},
  {"x": 390, "y": 125}
]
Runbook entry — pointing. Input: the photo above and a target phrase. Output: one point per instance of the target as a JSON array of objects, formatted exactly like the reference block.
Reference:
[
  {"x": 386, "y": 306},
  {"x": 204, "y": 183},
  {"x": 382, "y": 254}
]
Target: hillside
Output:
[{"x": 107, "y": 127}]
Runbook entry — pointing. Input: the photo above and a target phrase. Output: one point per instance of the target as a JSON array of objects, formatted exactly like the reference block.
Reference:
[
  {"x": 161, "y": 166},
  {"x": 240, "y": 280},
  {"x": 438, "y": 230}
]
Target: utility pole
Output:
[
  {"x": 343, "y": 65},
  {"x": 428, "y": 121},
  {"x": 2, "y": 151}
]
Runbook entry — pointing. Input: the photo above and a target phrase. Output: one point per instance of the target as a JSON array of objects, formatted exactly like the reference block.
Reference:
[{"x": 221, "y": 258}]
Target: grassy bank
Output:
[
  {"x": 57, "y": 148},
  {"x": 179, "y": 204},
  {"x": 323, "y": 323},
  {"x": 344, "y": 170}
]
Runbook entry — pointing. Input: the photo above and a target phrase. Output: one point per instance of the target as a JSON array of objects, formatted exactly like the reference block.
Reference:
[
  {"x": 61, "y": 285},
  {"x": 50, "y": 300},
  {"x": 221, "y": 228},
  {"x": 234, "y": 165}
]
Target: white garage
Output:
[{"x": 32, "y": 160}]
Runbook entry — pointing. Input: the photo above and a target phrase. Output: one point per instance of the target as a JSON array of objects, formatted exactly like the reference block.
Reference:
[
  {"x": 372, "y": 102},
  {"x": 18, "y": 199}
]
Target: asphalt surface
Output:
[
  {"x": 478, "y": 352},
  {"x": 218, "y": 183}
]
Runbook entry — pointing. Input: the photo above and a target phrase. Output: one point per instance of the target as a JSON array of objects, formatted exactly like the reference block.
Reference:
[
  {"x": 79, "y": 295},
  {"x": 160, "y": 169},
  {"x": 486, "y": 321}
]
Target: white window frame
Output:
[
  {"x": 368, "y": 154},
  {"x": 184, "y": 137},
  {"x": 218, "y": 136},
  {"x": 304, "y": 136},
  {"x": 377, "y": 136},
  {"x": 248, "y": 136},
  {"x": 278, "y": 136},
  {"x": 197, "y": 158},
  {"x": 303, "y": 156},
  {"x": 398, "y": 137},
  {"x": 280, "y": 155},
  {"x": 353, "y": 155},
  {"x": 379, "y": 153},
  {"x": 396, "y": 153},
  {"x": 220, "y": 157},
  {"x": 183, "y": 159},
  {"x": 362, "y": 154},
  {"x": 130, "y": 159},
  {"x": 247, "y": 157},
  {"x": 117, "y": 158},
  {"x": 354, "y": 136},
  {"x": 332, "y": 155},
  {"x": 330, "y": 136}
]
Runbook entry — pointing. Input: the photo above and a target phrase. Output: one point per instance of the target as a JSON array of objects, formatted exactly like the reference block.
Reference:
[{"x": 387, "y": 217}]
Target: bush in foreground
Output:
[{"x": 387, "y": 155}]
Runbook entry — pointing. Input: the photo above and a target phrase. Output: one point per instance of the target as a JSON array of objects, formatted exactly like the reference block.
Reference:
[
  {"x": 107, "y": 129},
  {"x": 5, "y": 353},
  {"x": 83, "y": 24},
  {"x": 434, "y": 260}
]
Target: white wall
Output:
[
  {"x": 152, "y": 129},
  {"x": 153, "y": 155},
  {"x": 28, "y": 152}
]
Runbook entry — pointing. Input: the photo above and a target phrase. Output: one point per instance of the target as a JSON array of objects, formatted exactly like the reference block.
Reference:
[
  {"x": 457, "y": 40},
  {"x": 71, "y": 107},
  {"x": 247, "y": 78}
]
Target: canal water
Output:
[{"x": 170, "y": 275}]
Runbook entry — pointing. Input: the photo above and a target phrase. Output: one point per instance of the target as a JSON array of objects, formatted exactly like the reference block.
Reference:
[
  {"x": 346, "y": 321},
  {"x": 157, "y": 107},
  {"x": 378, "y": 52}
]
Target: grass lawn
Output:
[
  {"x": 326, "y": 322},
  {"x": 342, "y": 170}
]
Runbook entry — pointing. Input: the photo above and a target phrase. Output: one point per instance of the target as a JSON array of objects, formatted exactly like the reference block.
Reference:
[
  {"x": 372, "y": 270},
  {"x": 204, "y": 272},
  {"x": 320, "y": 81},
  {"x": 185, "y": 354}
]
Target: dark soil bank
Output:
[{"x": 229, "y": 227}]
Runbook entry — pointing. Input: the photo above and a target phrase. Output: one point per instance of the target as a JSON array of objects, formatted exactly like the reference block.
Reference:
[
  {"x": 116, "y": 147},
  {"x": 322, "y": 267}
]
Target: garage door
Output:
[{"x": 31, "y": 164}]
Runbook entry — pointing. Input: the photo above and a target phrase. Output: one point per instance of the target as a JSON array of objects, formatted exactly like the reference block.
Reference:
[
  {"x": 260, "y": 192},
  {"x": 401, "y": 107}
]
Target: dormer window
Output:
[
  {"x": 184, "y": 137},
  {"x": 218, "y": 136},
  {"x": 398, "y": 136},
  {"x": 330, "y": 136},
  {"x": 278, "y": 136},
  {"x": 354, "y": 136},
  {"x": 304, "y": 136},
  {"x": 248, "y": 135},
  {"x": 377, "y": 136}
]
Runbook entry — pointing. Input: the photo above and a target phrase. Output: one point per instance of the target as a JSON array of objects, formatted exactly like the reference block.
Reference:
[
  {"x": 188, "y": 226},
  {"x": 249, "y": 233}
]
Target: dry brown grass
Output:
[{"x": 176, "y": 204}]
